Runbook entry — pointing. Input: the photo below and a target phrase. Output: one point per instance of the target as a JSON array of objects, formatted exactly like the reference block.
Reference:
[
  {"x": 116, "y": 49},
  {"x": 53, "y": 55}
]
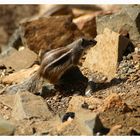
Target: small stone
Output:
[
  {"x": 68, "y": 115},
  {"x": 134, "y": 132},
  {"x": 7, "y": 100},
  {"x": 24, "y": 130},
  {"x": 6, "y": 128},
  {"x": 85, "y": 105},
  {"x": 114, "y": 130},
  {"x": 97, "y": 126},
  {"x": 137, "y": 50},
  {"x": 138, "y": 83},
  {"x": 129, "y": 56},
  {"x": 91, "y": 107}
]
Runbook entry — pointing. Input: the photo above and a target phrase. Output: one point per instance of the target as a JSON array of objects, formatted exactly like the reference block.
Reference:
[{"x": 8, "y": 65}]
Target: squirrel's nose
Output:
[{"x": 92, "y": 42}]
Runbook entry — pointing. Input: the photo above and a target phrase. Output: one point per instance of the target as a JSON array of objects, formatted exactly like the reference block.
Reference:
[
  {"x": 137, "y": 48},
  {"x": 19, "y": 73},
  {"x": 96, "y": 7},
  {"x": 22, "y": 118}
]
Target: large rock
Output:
[
  {"x": 19, "y": 76},
  {"x": 27, "y": 105},
  {"x": 50, "y": 32},
  {"x": 104, "y": 57},
  {"x": 87, "y": 24},
  {"x": 10, "y": 17},
  {"x": 128, "y": 19},
  {"x": 6, "y": 128},
  {"x": 20, "y": 59}
]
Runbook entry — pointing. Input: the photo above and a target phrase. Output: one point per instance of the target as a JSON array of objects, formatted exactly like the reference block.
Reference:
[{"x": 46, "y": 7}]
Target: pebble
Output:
[
  {"x": 6, "y": 128},
  {"x": 138, "y": 83}
]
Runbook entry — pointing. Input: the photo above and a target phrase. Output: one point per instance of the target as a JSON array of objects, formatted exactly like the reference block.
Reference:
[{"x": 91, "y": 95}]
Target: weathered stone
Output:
[
  {"x": 27, "y": 105},
  {"x": 19, "y": 76},
  {"x": 45, "y": 34},
  {"x": 20, "y": 59},
  {"x": 114, "y": 101},
  {"x": 88, "y": 122},
  {"x": 104, "y": 57},
  {"x": 7, "y": 100},
  {"x": 73, "y": 128},
  {"x": 128, "y": 18},
  {"x": 24, "y": 130},
  {"x": 134, "y": 132},
  {"x": 6, "y": 128},
  {"x": 87, "y": 24},
  {"x": 47, "y": 127},
  {"x": 113, "y": 131}
]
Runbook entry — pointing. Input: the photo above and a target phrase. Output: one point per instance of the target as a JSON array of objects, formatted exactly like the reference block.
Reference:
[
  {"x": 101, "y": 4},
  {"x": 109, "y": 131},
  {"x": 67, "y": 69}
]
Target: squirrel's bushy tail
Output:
[{"x": 31, "y": 84}]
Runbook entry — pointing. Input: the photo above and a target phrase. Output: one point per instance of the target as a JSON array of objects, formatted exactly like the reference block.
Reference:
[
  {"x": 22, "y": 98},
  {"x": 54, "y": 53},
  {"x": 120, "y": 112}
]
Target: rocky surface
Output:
[
  {"x": 86, "y": 102},
  {"x": 45, "y": 34}
]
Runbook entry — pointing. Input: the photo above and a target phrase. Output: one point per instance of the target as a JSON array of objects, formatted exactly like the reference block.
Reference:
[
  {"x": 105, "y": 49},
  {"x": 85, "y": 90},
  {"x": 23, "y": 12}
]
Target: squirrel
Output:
[{"x": 55, "y": 62}]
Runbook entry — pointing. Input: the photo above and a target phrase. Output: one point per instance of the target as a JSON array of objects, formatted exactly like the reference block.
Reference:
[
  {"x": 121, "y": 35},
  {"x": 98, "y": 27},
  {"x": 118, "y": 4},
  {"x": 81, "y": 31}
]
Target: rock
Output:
[
  {"x": 136, "y": 57},
  {"x": 47, "y": 127},
  {"x": 134, "y": 132},
  {"x": 6, "y": 128},
  {"x": 113, "y": 131},
  {"x": 70, "y": 128},
  {"x": 44, "y": 33},
  {"x": 104, "y": 57},
  {"x": 24, "y": 130},
  {"x": 77, "y": 103},
  {"x": 114, "y": 101},
  {"x": 67, "y": 116},
  {"x": 20, "y": 59},
  {"x": 128, "y": 19},
  {"x": 27, "y": 105},
  {"x": 87, "y": 24},
  {"x": 7, "y": 100},
  {"x": 88, "y": 121},
  {"x": 96, "y": 126},
  {"x": 19, "y": 76}
]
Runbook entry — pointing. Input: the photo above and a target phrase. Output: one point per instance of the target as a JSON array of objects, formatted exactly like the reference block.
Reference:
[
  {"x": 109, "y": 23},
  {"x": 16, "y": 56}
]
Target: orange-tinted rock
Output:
[
  {"x": 49, "y": 33},
  {"x": 104, "y": 57}
]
